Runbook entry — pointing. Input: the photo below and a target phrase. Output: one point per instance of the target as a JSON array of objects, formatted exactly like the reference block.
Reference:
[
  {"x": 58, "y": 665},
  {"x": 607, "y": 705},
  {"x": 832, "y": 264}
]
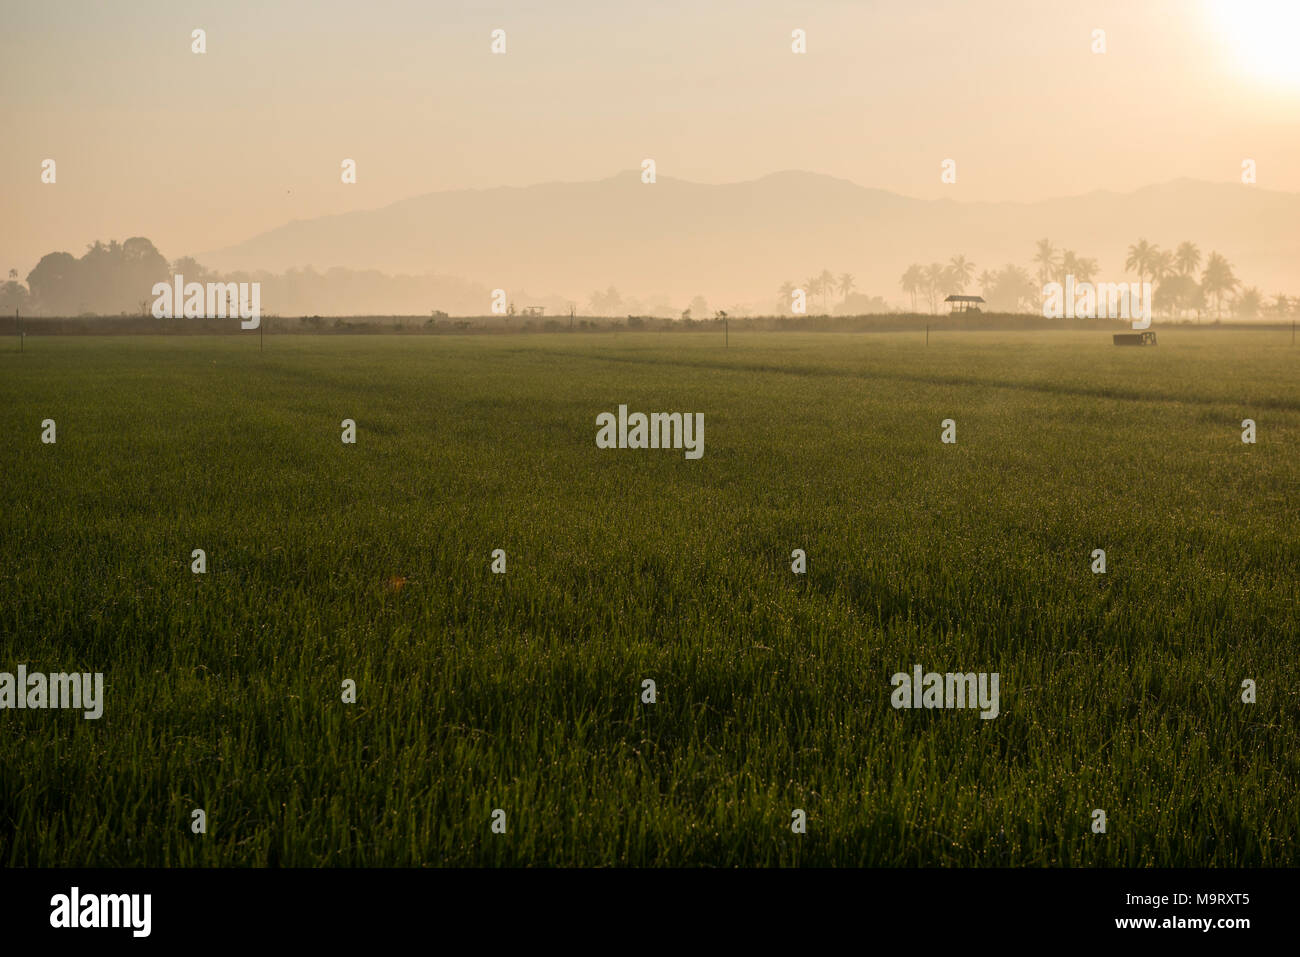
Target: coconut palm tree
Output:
[
  {"x": 1082, "y": 268},
  {"x": 846, "y": 285},
  {"x": 1161, "y": 264},
  {"x": 959, "y": 272},
  {"x": 913, "y": 281},
  {"x": 986, "y": 280},
  {"x": 1217, "y": 280},
  {"x": 786, "y": 294},
  {"x": 936, "y": 277},
  {"x": 827, "y": 282},
  {"x": 1187, "y": 258},
  {"x": 813, "y": 286},
  {"x": 1070, "y": 263},
  {"x": 1139, "y": 258},
  {"x": 1045, "y": 256}
]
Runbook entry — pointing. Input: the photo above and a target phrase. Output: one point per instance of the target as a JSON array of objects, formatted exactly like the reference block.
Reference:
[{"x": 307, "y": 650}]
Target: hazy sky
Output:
[{"x": 198, "y": 152}]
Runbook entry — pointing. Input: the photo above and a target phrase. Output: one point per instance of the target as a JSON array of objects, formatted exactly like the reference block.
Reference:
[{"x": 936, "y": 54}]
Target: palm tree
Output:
[
  {"x": 913, "y": 281},
  {"x": 960, "y": 271},
  {"x": 1139, "y": 258},
  {"x": 1046, "y": 258},
  {"x": 1080, "y": 267},
  {"x": 827, "y": 281},
  {"x": 935, "y": 278},
  {"x": 986, "y": 281},
  {"x": 813, "y": 285},
  {"x": 786, "y": 292},
  {"x": 1218, "y": 279},
  {"x": 1188, "y": 257},
  {"x": 1161, "y": 264},
  {"x": 846, "y": 285},
  {"x": 1069, "y": 265}
]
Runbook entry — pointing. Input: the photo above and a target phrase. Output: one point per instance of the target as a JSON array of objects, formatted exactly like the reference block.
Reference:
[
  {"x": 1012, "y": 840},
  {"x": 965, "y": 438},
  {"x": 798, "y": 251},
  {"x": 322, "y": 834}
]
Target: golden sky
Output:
[{"x": 201, "y": 151}]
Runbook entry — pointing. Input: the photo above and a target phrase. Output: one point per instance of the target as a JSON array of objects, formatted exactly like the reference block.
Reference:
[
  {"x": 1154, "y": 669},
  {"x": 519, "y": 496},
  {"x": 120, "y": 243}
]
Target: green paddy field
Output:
[{"x": 522, "y": 692}]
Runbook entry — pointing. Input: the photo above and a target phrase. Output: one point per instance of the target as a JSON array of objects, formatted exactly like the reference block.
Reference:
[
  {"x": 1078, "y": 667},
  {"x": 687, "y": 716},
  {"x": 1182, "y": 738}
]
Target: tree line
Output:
[
  {"x": 117, "y": 278},
  {"x": 1177, "y": 291}
]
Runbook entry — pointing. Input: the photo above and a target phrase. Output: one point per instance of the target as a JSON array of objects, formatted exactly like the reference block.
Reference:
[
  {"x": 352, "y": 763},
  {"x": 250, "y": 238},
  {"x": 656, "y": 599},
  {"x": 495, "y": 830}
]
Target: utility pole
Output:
[
  {"x": 726, "y": 332},
  {"x": 927, "y": 334},
  {"x": 19, "y": 323}
]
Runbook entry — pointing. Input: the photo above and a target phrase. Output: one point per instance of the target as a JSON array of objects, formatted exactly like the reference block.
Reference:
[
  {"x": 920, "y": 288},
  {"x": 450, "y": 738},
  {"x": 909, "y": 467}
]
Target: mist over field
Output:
[
  {"x": 736, "y": 243},
  {"x": 619, "y": 246}
]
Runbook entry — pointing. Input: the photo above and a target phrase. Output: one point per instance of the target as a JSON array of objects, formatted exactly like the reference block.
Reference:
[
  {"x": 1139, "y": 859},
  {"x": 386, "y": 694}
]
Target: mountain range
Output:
[{"x": 738, "y": 242}]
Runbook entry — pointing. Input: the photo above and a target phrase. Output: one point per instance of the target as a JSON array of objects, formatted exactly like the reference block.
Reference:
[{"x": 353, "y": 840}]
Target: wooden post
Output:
[
  {"x": 19, "y": 322},
  {"x": 260, "y": 325},
  {"x": 726, "y": 332},
  {"x": 927, "y": 333}
]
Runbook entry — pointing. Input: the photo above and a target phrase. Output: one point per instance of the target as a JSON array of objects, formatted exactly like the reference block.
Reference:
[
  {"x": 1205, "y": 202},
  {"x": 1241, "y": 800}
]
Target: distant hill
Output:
[{"x": 738, "y": 242}]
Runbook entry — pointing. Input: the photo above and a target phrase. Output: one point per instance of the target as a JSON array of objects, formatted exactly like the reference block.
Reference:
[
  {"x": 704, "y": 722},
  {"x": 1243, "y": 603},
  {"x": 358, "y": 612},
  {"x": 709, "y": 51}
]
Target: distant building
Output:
[
  {"x": 964, "y": 304},
  {"x": 534, "y": 310}
]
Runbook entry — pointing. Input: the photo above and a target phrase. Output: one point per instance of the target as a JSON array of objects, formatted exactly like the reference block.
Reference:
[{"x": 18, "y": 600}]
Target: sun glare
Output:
[{"x": 1262, "y": 36}]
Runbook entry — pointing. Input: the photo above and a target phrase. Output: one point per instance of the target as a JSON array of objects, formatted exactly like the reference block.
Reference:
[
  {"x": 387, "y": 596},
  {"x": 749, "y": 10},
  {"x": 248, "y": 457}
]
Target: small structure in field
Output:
[
  {"x": 1135, "y": 338},
  {"x": 534, "y": 310},
  {"x": 964, "y": 304}
]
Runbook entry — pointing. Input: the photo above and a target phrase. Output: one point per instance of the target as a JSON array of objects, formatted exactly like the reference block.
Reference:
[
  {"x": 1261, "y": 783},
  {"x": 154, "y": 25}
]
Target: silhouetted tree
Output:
[
  {"x": 812, "y": 286},
  {"x": 53, "y": 285},
  {"x": 1013, "y": 290},
  {"x": 1139, "y": 258},
  {"x": 959, "y": 273},
  {"x": 1187, "y": 258},
  {"x": 786, "y": 292},
  {"x": 1248, "y": 304},
  {"x": 913, "y": 282},
  {"x": 1045, "y": 256},
  {"x": 936, "y": 276},
  {"x": 1217, "y": 280},
  {"x": 827, "y": 282},
  {"x": 110, "y": 278}
]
